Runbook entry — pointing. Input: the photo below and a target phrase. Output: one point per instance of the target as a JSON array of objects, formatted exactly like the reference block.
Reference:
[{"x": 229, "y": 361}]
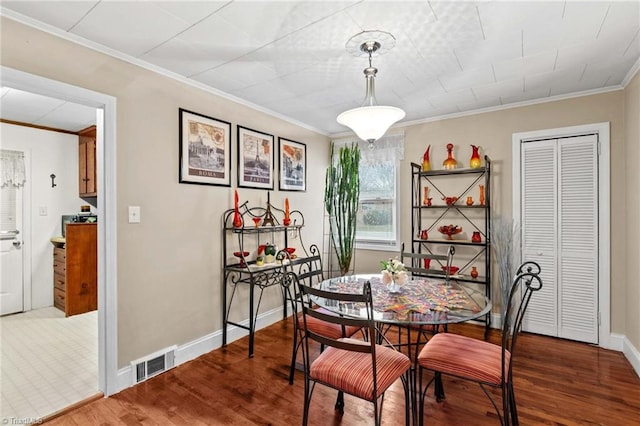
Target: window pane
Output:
[
  {"x": 375, "y": 221},
  {"x": 377, "y": 180}
]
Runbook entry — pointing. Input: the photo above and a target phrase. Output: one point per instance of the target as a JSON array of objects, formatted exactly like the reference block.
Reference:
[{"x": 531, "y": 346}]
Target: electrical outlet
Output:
[
  {"x": 134, "y": 214},
  {"x": 42, "y": 211}
]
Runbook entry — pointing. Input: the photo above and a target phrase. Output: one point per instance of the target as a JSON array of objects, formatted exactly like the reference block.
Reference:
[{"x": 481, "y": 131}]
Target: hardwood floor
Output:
[{"x": 557, "y": 382}]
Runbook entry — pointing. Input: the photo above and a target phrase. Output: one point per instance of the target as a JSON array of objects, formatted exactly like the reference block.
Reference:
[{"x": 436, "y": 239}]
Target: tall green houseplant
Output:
[{"x": 341, "y": 193}]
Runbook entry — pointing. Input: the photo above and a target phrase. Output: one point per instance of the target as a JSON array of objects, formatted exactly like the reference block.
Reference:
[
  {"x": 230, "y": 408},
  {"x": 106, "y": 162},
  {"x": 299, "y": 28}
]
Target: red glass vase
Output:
[
  {"x": 474, "y": 272},
  {"x": 475, "y": 162}
]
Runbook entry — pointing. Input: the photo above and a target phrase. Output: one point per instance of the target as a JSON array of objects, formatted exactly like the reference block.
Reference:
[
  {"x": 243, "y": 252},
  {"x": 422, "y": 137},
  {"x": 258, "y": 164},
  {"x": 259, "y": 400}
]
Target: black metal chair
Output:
[
  {"x": 415, "y": 265},
  {"x": 363, "y": 369},
  {"x": 482, "y": 362},
  {"x": 309, "y": 271}
]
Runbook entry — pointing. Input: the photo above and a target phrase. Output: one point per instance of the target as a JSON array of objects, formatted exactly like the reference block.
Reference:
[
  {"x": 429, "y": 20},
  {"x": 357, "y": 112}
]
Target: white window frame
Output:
[{"x": 379, "y": 244}]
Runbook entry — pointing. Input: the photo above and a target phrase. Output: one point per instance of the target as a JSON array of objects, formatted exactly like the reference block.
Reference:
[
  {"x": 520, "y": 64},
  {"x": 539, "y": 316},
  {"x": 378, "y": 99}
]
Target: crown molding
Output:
[
  {"x": 495, "y": 108},
  {"x": 632, "y": 73},
  {"x": 50, "y": 29}
]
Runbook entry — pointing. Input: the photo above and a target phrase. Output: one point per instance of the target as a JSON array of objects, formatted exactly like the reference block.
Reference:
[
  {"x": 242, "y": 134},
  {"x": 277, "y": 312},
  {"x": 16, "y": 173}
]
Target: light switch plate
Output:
[{"x": 134, "y": 214}]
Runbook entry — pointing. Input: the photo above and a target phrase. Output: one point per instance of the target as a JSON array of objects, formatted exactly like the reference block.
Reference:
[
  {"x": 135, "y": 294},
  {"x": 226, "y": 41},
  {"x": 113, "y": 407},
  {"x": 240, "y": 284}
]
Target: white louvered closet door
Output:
[
  {"x": 560, "y": 231},
  {"x": 539, "y": 230},
  {"x": 578, "y": 239}
]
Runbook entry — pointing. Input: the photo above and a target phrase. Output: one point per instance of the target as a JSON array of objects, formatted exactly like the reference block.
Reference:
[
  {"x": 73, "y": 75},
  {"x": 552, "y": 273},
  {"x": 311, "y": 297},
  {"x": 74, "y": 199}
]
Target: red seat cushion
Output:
[
  {"x": 464, "y": 357},
  {"x": 353, "y": 373},
  {"x": 324, "y": 328}
]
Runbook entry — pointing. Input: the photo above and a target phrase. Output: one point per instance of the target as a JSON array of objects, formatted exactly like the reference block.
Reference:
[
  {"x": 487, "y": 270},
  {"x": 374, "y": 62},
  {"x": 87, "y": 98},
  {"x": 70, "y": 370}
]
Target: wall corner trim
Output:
[{"x": 631, "y": 353}]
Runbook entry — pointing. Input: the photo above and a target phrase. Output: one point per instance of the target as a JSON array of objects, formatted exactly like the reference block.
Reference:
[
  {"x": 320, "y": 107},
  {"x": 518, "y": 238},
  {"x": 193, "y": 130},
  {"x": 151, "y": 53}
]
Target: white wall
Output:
[{"x": 50, "y": 152}]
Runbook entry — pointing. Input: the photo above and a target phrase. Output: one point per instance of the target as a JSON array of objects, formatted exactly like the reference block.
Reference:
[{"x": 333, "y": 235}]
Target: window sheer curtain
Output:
[
  {"x": 12, "y": 170},
  {"x": 386, "y": 148}
]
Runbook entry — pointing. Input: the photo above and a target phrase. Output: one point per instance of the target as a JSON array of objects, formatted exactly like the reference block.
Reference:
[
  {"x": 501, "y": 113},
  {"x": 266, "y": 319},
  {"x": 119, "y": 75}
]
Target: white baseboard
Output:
[
  {"x": 195, "y": 348},
  {"x": 204, "y": 344},
  {"x": 632, "y": 354},
  {"x": 615, "y": 342}
]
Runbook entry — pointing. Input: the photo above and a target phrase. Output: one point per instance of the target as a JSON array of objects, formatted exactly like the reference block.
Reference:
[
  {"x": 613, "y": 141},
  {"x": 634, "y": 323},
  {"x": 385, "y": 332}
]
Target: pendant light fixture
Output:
[{"x": 370, "y": 121}]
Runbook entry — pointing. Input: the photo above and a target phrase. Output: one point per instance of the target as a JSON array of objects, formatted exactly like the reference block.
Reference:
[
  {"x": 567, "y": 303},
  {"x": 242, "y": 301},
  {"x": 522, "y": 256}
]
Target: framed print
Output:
[
  {"x": 293, "y": 165},
  {"x": 255, "y": 159},
  {"x": 205, "y": 150}
]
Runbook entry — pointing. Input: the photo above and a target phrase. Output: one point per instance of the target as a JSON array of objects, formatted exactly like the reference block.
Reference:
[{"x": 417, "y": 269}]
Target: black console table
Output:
[{"x": 259, "y": 226}]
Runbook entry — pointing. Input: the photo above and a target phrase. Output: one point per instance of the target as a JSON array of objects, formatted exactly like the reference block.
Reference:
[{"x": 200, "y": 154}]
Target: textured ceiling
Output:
[{"x": 290, "y": 57}]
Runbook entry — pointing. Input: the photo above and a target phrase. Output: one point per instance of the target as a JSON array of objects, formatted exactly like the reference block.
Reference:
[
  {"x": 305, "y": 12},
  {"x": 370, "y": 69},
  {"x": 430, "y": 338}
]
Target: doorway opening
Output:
[{"x": 105, "y": 106}]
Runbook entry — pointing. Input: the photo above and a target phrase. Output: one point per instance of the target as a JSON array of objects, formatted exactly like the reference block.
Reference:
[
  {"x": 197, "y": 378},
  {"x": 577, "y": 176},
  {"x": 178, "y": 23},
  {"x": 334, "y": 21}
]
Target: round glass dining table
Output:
[{"x": 420, "y": 301}]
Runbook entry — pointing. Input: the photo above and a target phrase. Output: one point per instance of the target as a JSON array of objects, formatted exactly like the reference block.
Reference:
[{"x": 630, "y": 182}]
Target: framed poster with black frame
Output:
[
  {"x": 205, "y": 150},
  {"x": 293, "y": 165},
  {"x": 255, "y": 159}
]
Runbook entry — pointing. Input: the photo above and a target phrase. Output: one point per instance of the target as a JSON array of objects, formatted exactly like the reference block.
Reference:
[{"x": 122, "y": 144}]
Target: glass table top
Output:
[{"x": 420, "y": 301}]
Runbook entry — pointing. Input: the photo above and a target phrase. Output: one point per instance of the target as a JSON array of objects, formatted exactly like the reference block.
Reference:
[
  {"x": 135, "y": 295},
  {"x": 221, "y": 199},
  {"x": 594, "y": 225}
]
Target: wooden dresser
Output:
[{"x": 75, "y": 269}]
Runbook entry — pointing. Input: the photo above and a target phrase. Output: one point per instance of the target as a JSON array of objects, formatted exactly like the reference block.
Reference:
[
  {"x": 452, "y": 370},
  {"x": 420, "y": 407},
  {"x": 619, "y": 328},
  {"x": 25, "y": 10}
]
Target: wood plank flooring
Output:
[{"x": 557, "y": 382}]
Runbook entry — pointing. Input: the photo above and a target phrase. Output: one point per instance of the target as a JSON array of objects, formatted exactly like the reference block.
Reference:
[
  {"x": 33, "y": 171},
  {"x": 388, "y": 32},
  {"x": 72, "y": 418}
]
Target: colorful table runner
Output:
[{"x": 417, "y": 295}]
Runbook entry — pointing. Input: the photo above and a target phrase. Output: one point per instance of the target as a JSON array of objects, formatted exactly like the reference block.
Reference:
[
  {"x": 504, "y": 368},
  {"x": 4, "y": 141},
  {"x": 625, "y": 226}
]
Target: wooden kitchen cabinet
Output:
[
  {"x": 75, "y": 269},
  {"x": 87, "y": 162}
]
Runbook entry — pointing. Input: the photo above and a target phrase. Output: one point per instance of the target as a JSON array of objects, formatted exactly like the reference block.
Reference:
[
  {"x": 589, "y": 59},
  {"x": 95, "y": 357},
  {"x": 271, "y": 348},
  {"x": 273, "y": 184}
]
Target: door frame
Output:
[
  {"x": 26, "y": 233},
  {"x": 605, "y": 339},
  {"x": 107, "y": 228}
]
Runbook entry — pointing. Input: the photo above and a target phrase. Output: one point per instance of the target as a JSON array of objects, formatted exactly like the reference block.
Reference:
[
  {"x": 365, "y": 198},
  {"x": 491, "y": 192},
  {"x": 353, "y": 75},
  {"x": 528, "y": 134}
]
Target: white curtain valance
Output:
[
  {"x": 390, "y": 146},
  {"x": 12, "y": 170}
]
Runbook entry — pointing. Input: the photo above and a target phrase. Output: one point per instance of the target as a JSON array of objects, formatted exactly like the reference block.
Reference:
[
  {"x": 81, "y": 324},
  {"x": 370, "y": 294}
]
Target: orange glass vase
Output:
[
  {"x": 475, "y": 162},
  {"x": 426, "y": 164},
  {"x": 450, "y": 163}
]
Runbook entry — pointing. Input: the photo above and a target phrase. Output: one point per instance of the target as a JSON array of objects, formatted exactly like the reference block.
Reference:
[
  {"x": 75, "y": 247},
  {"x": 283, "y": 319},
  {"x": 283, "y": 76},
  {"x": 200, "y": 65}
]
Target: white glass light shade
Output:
[{"x": 370, "y": 122}]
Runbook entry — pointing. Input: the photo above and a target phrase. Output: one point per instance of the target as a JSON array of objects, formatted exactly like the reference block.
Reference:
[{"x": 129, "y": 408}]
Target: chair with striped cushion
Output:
[
  {"x": 309, "y": 271},
  {"x": 479, "y": 361},
  {"x": 363, "y": 369}
]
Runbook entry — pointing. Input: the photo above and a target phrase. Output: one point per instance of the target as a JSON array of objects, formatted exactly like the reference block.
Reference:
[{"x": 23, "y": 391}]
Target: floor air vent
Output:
[{"x": 154, "y": 364}]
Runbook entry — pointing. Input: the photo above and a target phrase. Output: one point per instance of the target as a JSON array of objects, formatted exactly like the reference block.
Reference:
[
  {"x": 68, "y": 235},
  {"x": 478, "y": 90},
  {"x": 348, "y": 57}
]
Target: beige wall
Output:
[
  {"x": 493, "y": 131},
  {"x": 632, "y": 201},
  {"x": 169, "y": 266}
]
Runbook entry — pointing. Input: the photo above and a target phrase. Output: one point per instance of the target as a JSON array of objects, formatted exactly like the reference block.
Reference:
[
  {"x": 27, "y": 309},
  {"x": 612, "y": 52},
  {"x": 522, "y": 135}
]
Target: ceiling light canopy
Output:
[{"x": 370, "y": 121}]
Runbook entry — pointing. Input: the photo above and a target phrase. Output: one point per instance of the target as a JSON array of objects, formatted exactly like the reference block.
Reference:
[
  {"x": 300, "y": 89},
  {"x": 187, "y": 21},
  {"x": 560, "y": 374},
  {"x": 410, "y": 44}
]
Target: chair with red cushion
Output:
[
  {"x": 479, "y": 361},
  {"x": 309, "y": 271},
  {"x": 363, "y": 369}
]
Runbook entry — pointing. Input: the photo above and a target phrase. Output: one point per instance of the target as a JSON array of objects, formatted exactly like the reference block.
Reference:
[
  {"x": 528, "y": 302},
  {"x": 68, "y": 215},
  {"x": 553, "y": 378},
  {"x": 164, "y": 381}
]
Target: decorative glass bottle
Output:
[
  {"x": 476, "y": 238},
  {"x": 450, "y": 163},
  {"x": 482, "y": 195},
  {"x": 475, "y": 162}
]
